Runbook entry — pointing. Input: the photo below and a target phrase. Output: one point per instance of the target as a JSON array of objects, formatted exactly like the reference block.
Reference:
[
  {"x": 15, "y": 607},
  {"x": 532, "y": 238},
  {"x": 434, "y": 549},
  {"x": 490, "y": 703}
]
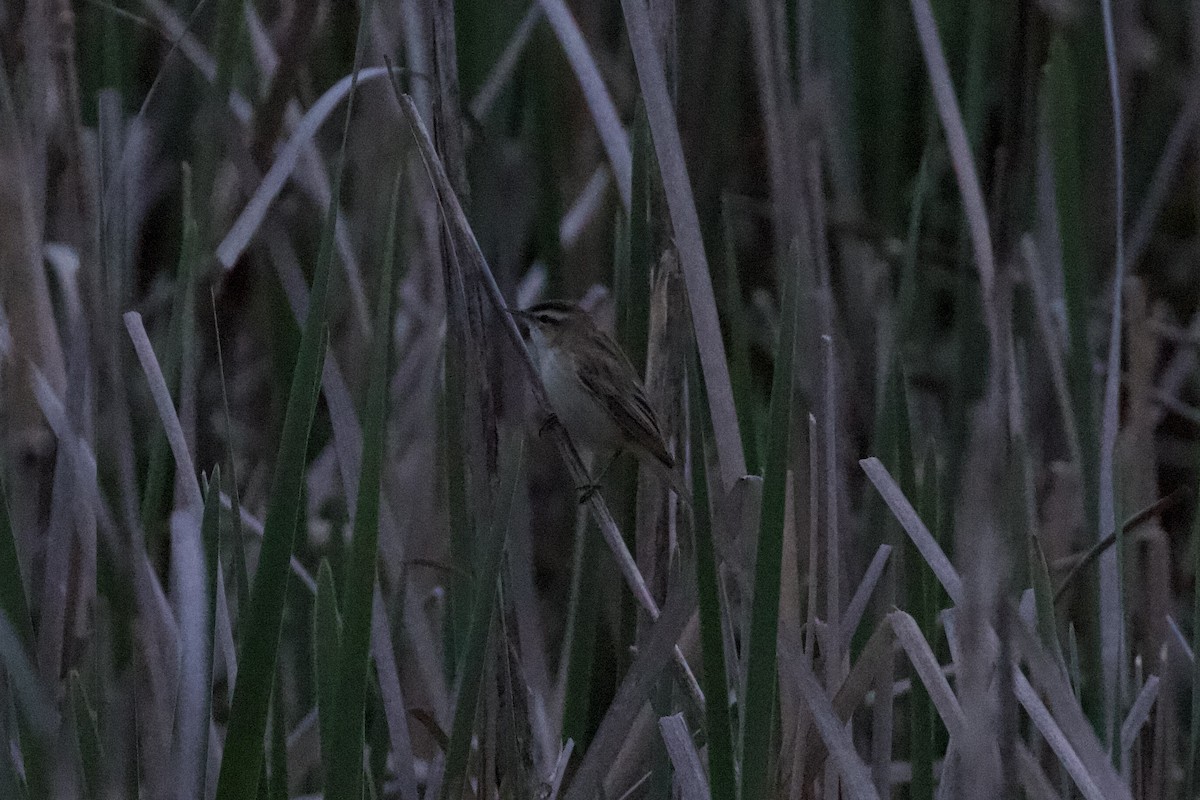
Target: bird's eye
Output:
[{"x": 545, "y": 319}]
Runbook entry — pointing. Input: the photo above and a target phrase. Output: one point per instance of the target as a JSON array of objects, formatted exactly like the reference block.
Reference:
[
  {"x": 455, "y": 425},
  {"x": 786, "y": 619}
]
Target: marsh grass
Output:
[{"x": 254, "y": 266}]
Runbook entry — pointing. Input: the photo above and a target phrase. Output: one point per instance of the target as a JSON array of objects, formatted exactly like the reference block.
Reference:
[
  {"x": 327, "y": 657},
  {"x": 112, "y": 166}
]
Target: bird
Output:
[{"x": 593, "y": 389}]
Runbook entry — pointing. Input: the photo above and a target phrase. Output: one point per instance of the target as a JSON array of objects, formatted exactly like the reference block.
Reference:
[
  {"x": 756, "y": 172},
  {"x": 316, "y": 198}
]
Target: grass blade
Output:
[
  {"x": 963, "y": 163},
  {"x": 855, "y": 775},
  {"x": 928, "y": 547},
  {"x": 1054, "y": 736},
  {"x": 260, "y": 635},
  {"x": 327, "y": 644},
  {"x": 474, "y": 655},
  {"x": 764, "y": 613},
  {"x": 87, "y": 737},
  {"x": 393, "y": 700},
  {"x": 583, "y": 612},
  {"x": 653, "y": 654},
  {"x": 686, "y": 223},
  {"x": 502, "y": 71},
  {"x": 13, "y": 602},
  {"x": 1114, "y": 658},
  {"x": 599, "y": 102},
  {"x": 721, "y": 769},
  {"x": 240, "y": 576},
  {"x": 1174, "y": 150},
  {"x": 744, "y": 392},
  {"x": 631, "y": 281},
  {"x": 1136, "y": 718},
  {"x": 14, "y": 611},
  {"x": 164, "y": 380},
  {"x": 1060, "y": 115},
  {"x": 688, "y": 770},
  {"x": 244, "y": 228},
  {"x": 166, "y": 409},
  {"x": 344, "y": 781},
  {"x": 1192, "y": 766},
  {"x": 32, "y": 700},
  {"x": 853, "y": 614},
  {"x": 926, "y": 666},
  {"x": 193, "y": 566}
]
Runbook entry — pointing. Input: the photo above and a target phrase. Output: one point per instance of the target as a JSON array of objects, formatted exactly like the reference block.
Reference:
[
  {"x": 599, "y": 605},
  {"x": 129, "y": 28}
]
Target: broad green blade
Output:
[
  {"x": 734, "y": 315},
  {"x": 583, "y": 621},
  {"x": 261, "y": 622},
  {"x": 1060, "y": 115},
  {"x": 344, "y": 778},
  {"x": 721, "y": 773},
  {"x": 157, "y": 496},
  {"x": 759, "y": 708},
  {"x": 327, "y": 644},
  {"x": 475, "y": 655}
]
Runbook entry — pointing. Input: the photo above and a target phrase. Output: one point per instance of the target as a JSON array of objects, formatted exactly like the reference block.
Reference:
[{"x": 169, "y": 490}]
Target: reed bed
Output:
[{"x": 912, "y": 286}]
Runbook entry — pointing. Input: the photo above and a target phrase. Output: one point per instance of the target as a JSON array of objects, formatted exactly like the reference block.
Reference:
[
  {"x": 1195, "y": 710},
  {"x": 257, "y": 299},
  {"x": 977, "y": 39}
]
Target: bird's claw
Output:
[
  {"x": 587, "y": 491},
  {"x": 549, "y": 422}
]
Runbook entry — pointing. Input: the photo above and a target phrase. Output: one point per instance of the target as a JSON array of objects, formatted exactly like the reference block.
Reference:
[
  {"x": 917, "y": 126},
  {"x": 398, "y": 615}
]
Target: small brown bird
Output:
[{"x": 593, "y": 388}]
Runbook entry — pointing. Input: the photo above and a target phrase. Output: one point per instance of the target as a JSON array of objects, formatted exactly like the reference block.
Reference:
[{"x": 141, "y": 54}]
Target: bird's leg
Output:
[{"x": 593, "y": 485}]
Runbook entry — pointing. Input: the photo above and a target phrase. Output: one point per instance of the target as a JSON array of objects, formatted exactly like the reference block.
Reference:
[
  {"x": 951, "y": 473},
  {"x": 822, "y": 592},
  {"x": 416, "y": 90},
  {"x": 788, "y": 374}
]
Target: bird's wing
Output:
[{"x": 614, "y": 378}]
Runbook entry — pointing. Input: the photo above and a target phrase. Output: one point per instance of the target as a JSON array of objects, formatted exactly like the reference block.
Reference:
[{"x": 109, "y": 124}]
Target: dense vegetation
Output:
[{"x": 913, "y": 286}]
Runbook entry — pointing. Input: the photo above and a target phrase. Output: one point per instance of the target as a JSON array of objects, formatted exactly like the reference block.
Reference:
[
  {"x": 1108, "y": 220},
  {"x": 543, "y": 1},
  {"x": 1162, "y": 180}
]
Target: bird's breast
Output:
[{"x": 585, "y": 418}]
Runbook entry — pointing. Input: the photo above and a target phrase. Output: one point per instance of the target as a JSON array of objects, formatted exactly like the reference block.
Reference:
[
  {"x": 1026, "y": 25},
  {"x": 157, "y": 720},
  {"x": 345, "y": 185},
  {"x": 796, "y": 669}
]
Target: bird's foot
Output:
[
  {"x": 587, "y": 492},
  {"x": 549, "y": 422}
]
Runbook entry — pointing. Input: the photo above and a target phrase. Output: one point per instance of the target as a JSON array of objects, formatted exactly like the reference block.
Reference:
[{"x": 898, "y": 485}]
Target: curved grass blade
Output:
[
  {"x": 475, "y": 653},
  {"x": 966, "y": 172},
  {"x": 613, "y": 137},
  {"x": 251, "y": 218},
  {"x": 344, "y": 776},
  {"x": 764, "y": 615},
  {"x": 260, "y": 635}
]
